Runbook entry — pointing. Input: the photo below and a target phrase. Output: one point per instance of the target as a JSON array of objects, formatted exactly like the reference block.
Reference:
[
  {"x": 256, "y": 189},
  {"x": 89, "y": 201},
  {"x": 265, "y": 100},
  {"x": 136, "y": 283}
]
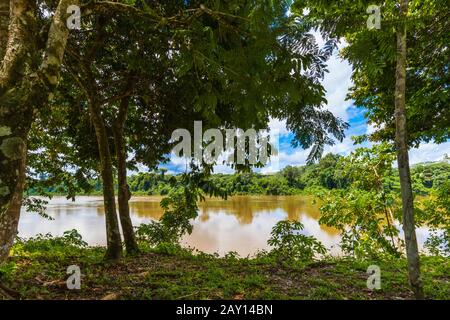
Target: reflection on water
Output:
[{"x": 241, "y": 223}]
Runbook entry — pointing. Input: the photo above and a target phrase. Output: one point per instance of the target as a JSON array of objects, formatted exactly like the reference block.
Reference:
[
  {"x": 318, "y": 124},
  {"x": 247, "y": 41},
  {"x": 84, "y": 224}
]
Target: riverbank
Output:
[
  {"x": 37, "y": 270},
  {"x": 240, "y": 223}
]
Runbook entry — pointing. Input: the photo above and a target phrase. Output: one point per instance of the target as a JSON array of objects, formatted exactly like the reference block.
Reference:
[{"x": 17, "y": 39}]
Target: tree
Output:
[
  {"x": 201, "y": 52},
  {"x": 401, "y": 140},
  {"x": 136, "y": 62},
  {"x": 408, "y": 113},
  {"x": 26, "y": 81},
  {"x": 364, "y": 211}
]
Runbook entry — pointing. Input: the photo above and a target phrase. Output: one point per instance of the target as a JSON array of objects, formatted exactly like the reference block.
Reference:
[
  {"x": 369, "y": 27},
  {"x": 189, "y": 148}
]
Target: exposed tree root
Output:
[{"x": 8, "y": 293}]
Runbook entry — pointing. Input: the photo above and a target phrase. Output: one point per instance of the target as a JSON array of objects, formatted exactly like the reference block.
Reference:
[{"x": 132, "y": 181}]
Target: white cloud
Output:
[
  {"x": 337, "y": 83},
  {"x": 279, "y": 126},
  {"x": 342, "y": 148},
  {"x": 371, "y": 128},
  {"x": 223, "y": 168},
  {"x": 429, "y": 152},
  {"x": 286, "y": 158}
]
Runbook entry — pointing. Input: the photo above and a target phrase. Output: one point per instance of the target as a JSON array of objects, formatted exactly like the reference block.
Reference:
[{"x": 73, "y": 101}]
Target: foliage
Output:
[
  {"x": 188, "y": 60},
  {"x": 372, "y": 54},
  {"x": 180, "y": 208},
  {"x": 428, "y": 177},
  {"x": 438, "y": 243},
  {"x": 70, "y": 240},
  {"x": 360, "y": 217},
  {"x": 288, "y": 244},
  {"x": 326, "y": 174},
  {"x": 36, "y": 205},
  {"x": 365, "y": 212},
  {"x": 434, "y": 212}
]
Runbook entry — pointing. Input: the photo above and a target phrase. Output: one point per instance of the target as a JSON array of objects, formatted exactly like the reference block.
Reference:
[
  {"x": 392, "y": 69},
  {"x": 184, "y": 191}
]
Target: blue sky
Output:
[{"x": 337, "y": 83}]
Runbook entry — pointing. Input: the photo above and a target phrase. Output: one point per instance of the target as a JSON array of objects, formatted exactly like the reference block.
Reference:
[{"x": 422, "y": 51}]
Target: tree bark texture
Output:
[
  {"x": 401, "y": 140},
  {"x": 25, "y": 86},
  {"x": 124, "y": 193}
]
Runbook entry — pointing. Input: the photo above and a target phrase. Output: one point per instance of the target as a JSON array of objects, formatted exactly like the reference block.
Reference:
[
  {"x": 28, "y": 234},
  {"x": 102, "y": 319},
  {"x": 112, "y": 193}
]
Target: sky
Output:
[{"x": 337, "y": 83}]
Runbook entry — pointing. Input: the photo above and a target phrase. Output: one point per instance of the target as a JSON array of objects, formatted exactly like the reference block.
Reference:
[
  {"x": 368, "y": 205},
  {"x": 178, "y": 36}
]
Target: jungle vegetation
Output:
[{"x": 81, "y": 108}]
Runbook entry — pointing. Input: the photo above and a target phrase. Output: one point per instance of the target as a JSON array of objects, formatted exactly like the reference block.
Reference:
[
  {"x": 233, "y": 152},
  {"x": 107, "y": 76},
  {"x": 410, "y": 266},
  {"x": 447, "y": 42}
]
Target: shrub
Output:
[{"x": 288, "y": 244}]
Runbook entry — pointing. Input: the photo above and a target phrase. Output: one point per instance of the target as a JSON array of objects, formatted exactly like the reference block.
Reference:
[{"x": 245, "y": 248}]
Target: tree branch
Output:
[
  {"x": 56, "y": 44},
  {"x": 116, "y": 97},
  {"x": 21, "y": 29}
]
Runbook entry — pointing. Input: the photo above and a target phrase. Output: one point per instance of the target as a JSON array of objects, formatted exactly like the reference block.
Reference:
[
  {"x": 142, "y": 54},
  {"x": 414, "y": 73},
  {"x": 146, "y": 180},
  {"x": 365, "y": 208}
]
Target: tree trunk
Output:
[
  {"x": 18, "y": 49},
  {"x": 412, "y": 251},
  {"x": 114, "y": 242},
  {"x": 15, "y": 119},
  {"x": 124, "y": 193},
  {"x": 24, "y": 87},
  {"x": 9, "y": 220},
  {"x": 87, "y": 83}
]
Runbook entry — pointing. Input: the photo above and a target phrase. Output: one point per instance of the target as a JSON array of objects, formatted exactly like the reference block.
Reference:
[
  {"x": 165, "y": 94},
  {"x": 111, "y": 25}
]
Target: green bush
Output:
[
  {"x": 47, "y": 242},
  {"x": 365, "y": 212},
  {"x": 434, "y": 212},
  {"x": 288, "y": 244}
]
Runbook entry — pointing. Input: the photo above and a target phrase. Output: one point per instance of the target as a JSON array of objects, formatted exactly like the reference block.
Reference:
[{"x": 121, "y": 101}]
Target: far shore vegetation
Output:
[{"x": 291, "y": 180}]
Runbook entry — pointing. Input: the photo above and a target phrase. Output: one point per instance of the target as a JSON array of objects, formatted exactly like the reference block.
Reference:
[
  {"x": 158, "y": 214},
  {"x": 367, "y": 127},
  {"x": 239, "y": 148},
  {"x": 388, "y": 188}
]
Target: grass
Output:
[{"x": 37, "y": 270}]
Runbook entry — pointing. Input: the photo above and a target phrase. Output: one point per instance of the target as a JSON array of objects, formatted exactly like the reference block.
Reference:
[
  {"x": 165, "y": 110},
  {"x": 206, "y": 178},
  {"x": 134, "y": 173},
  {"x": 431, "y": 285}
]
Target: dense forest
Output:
[
  {"x": 326, "y": 173},
  {"x": 292, "y": 180}
]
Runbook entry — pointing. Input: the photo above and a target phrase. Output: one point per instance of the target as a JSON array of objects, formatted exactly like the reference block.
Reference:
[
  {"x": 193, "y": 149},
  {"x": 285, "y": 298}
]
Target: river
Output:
[{"x": 241, "y": 223}]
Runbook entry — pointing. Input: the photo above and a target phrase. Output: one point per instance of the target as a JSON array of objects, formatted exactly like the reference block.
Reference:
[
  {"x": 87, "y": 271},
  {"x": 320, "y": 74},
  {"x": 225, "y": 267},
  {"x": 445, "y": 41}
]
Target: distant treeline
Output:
[{"x": 289, "y": 181}]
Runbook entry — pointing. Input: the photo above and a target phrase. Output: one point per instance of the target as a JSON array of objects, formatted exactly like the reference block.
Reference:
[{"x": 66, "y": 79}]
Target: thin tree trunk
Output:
[
  {"x": 412, "y": 251},
  {"x": 10, "y": 217},
  {"x": 124, "y": 193},
  {"x": 87, "y": 83},
  {"x": 114, "y": 241},
  {"x": 24, "y": 87}
]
